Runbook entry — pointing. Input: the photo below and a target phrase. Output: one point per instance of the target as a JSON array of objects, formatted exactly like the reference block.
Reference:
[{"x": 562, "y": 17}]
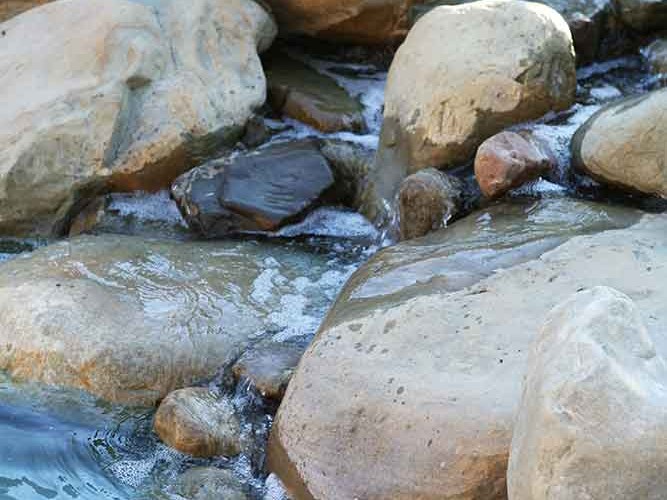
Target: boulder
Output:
[
  {"x": 427, "y": 200},
  {"x": 421, "y": 368},
  {"x": 11, "y": 8},
  {"x": 371, "y": 22},
  {"x": 300, "y": 92},
  {"x": 269, "y": 367},
  {"x": 209, "y": 483},
  {"x": 623, "y": 144},
  {"x": 642, "y": 15},
  {"x": 508, "y": 160},
  {"x": 442, "y": 102},
  {"x": 258, "y": 191},
  {"x": 136, "y": 95},
  {"x": 656, "y": 54},
  {"x": 592, "y": 422},
  {"x": 130, "y": 319},
  {"x": 196, "y": 422},
  {"x": 588, "y": 21}
]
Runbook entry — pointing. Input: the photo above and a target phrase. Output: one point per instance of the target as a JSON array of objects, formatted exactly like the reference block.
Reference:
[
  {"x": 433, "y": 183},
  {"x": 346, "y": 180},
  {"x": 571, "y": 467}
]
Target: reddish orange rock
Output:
[{"x": 507, "y": 160}]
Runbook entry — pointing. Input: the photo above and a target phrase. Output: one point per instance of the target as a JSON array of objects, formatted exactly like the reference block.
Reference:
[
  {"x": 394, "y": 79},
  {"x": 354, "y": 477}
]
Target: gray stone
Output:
[{"x": 258, "y": 191}]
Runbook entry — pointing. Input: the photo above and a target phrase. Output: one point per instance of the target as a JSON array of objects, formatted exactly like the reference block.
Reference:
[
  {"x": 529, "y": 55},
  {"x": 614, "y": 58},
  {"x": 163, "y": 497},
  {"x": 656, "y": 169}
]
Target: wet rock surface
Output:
[
  {"x": 258, "y": 191},
  {"x": 300, "y": 92},
  {"x": 509, "y": 160},
  {"x": 167, "y": 314},
  {"x": 427, "y": 200},
  {"x": 441, "y": 372},
  {"x": 591, "y": 423},
  {"x": 207, "y": 483},
  {"x": 268, "y": 367},
  {"x": 199, "y": 423}
]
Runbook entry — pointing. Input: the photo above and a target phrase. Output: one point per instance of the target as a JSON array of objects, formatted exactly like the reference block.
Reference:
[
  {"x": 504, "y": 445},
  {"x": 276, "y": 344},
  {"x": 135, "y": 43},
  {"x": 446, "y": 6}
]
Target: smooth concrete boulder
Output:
[
  {"x": 300, "y": 92},
  {"x": 258, "y": 191},
  {"x": 427, "y": 200},
  {"x": 11, "y": 8},
  {"x": 373, "y": 22},
  {"x": 592, "y": 422},
  {"x": 116, "y": 95},
  {"x": 199, "y": 423},
  {"x": 642, "y": 15},
  {"x": 623, "y": 144},
  {"x": 508, "y": 160},
  {"x": 442, "y": 102},
  {"x": 413, "y": 394},
  {"x": 130, "y": 319}
]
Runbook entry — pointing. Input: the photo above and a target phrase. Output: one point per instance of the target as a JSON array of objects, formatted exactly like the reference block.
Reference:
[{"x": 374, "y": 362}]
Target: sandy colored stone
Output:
[
  {"x": 196, "y": 422},
  {"x": 507, "y": 161},
  {"x": 115, "y": 95},
  {"x": 414, "y": 395},
  {"x": 592, "y": 422},
  {"x": 131, "y": 319},
  {"x": 427, "y": 200},
  {"x": 11, "y": 8},
  {"x": 374, "y": 22},
  {"x": 442, "y": 102},
  {"x": 623, "y": 144}
]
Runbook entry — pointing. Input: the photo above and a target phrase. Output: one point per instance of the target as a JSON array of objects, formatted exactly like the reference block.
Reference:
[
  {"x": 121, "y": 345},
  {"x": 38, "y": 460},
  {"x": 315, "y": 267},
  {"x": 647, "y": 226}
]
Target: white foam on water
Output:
[
  {"x": 134, "y": 473},
  {"x": 274, "y": 489},
  {"x": 559, "y": 135},
  {"x": 605, "y": 93},
  {"x": 332, "y": 222},
  {"x": 602, "y": 68},
  {"x": 158, "y": 207},
  {"x": 540, "y": 188}
]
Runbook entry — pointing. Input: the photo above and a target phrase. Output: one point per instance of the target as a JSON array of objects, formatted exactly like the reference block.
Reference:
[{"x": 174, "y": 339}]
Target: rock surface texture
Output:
[
  {"x": 375, "y": 22},
  {"x": 199, "y": 423},
  {"x": 442, "y": 102},
  {"x": 208, "y": 483},
  {"x": 300, "y": 92},
  {"x": 508, "y": 160},
  {"x": 11, "y": 8},
  {"x": 437, "y": 375},
  {"x": 258, "y": 191},
  {"x": 593, "y": 419},
  {"x": 130, "y": 319},
  {"x": 119, "y": 96},
  {"x": 623, "y": 144},
  {"x": 427, "y": 200}
]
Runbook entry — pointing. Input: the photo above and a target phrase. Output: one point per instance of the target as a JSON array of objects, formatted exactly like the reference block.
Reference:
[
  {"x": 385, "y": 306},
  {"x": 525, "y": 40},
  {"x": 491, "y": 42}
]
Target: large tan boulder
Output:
[
  {"x": 11, "y": 8},
  {"x": 593, "y": 418},
  {"x": 410, "y": 390},
  {"x": 104, "y": 95},
  {"x": 130, "y": 319},
  {"x": 623, "y": 144},
  {"x": 375, "y": 22},
  {"x": 464, "y": 73}
]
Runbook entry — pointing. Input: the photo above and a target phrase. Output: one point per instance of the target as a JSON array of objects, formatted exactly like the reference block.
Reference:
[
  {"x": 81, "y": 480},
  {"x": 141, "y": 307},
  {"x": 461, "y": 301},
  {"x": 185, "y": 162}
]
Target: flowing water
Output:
[{"x": 56, "y": 443}]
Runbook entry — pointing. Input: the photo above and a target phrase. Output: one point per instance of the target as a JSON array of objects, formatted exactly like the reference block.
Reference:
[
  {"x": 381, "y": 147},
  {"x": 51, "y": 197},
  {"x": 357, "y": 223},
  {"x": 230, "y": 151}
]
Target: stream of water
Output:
[{"x": 56, "y": 443}]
